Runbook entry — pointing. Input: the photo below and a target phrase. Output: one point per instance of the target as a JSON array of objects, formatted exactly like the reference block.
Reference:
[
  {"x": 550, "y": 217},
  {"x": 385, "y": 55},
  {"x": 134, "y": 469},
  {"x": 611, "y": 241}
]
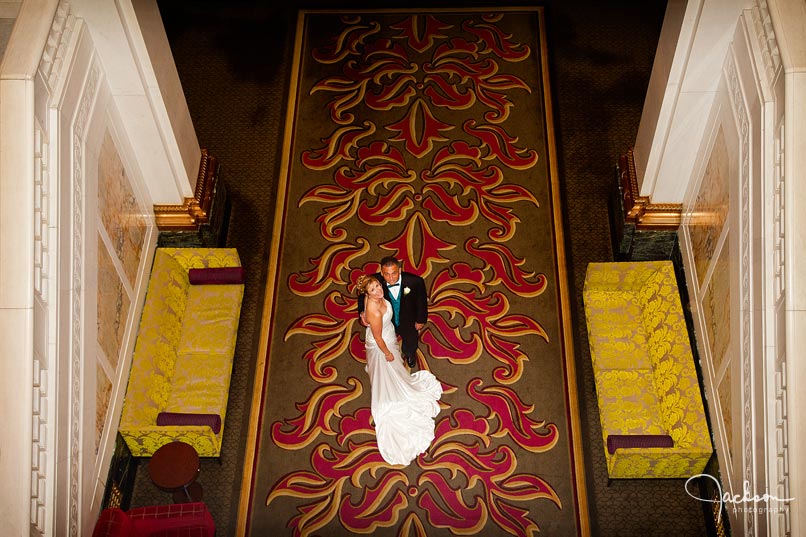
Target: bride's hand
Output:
[{"x": 390, "y": 357}]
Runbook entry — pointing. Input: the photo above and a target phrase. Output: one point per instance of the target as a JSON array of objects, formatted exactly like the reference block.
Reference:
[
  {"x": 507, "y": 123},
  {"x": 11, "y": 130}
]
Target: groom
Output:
[{"x": 406, "y": 292}]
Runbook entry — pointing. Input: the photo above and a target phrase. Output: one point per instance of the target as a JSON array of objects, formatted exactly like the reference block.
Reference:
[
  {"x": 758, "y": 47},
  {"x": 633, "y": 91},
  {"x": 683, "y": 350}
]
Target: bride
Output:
[{"x": 403, "y": 404}]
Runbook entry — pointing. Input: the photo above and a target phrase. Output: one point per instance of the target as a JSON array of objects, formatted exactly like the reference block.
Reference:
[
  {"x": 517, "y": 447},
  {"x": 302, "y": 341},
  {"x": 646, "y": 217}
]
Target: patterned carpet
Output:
[
  {"x": 426, "y": 136},
  {"x": 234, "y": 60}
]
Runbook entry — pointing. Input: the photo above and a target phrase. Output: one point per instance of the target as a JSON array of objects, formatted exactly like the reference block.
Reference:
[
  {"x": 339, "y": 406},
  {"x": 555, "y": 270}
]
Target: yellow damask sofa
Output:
[
  {"x": 180, "y": 375},
  {"x": 650, "y": 403}
]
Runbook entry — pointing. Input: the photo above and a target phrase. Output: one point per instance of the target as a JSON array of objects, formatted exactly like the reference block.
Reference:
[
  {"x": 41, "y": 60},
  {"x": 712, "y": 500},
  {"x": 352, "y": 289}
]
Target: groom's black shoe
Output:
[{"x": 410, "y": 361}]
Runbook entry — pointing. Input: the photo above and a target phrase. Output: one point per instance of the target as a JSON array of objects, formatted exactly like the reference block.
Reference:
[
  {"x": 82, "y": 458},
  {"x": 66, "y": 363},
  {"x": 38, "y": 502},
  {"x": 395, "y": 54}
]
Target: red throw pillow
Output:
[
  {"x": 615, "y": 441},
  {"x": 183, "y": 418},
  {"x": 216, "y": 276}
]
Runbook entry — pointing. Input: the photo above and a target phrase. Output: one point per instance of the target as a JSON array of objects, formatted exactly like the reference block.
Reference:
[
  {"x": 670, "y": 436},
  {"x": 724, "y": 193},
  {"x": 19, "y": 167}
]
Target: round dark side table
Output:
[{"x": 174, "y": 468}]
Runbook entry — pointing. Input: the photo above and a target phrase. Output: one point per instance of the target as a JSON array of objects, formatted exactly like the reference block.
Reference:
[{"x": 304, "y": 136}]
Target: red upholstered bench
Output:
[{"x": 175, "y": 520}]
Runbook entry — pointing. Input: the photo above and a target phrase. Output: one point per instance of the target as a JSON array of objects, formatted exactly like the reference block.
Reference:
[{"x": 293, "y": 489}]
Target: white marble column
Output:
[
  {"x": 16, "y": 309},
  {"x": 789, "y": 20},
  {"x": 17, "y": 262}
]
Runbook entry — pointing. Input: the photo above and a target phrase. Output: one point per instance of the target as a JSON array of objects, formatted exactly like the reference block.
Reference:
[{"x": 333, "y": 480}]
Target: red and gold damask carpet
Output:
[{"x": 427, "y": 136}]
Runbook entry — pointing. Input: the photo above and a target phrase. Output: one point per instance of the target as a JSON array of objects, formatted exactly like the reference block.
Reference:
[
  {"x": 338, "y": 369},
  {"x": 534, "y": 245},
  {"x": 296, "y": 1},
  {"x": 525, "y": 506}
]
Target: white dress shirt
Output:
[{"x": 395, "y": 291}]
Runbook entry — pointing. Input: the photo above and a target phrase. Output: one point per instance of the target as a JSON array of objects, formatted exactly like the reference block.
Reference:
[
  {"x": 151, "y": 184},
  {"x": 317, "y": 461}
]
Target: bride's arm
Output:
[{"x": 375, "y": 320}]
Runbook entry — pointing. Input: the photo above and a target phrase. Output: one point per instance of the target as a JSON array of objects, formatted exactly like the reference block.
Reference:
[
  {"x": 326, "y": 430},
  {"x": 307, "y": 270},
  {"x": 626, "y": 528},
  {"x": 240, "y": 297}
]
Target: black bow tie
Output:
[{"x": 392, "y": 284}]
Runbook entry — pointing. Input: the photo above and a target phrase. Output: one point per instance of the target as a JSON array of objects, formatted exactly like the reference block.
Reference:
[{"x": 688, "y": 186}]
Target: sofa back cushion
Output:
[
  {"x": 168, "y": 294},
  {"x": 615, "y": 331},
  {"x": 659, "y": 299},
  {"x": 669, "y": 348},
  {"x": 155, "y": 350}
]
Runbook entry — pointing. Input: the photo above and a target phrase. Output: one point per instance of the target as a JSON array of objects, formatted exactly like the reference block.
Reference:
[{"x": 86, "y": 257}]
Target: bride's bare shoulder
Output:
[{"x": 373, "y": 307}]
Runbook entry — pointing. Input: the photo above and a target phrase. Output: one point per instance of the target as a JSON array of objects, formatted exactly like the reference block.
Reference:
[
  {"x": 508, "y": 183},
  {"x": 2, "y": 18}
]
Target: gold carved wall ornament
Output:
[
  {"x": 638, "y": 209},
  {"x": 195, "y": 211}
]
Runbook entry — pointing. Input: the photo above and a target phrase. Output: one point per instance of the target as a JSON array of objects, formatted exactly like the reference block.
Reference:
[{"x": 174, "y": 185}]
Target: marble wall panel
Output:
[
  {"x": 716, "y": 308},
  {"x": 121, "y": 239},
  {"x": 103, "y": 394},
  {"x": 113, "y": 306},
  {"x": 709, "y": 211},
  {"x": 120, "y": 213}
]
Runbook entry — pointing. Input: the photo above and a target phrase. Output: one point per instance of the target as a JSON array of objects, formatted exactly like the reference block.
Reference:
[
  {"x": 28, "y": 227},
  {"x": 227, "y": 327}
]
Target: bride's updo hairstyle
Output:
[{"x": 362, "y": 282}]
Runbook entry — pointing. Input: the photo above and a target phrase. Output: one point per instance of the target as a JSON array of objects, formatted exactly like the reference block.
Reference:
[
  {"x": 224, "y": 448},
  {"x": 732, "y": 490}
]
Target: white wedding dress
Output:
[{"x": 403, "y": 404}]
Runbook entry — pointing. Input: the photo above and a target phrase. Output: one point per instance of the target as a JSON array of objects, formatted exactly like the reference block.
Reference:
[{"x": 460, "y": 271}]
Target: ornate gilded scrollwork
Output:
[
  {"x": 195, "y": 211},
  {"x": 638, "y": 209}
]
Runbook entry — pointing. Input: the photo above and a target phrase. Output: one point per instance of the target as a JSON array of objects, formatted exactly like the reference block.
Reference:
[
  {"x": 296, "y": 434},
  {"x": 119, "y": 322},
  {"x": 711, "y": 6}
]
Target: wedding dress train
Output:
[{"x": 403, "y": 404}]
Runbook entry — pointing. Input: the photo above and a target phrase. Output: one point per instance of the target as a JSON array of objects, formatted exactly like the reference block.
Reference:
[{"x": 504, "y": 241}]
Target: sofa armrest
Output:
[
  {"x": 657, "y": 463},
  {"x": 144, "y": 441},
  {"x": 204, "y": 257},
  {"x": 620, "y": 276}
]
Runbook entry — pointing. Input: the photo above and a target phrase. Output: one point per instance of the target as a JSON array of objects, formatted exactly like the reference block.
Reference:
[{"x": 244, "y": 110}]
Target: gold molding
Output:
[
  {"x": 194, "y": 211},
  {"x": 638, "y": 209}
]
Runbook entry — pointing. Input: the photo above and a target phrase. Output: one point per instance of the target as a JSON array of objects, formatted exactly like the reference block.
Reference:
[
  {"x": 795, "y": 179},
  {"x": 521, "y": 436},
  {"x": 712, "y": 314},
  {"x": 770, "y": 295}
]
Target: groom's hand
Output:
[{"x": 363, "y": 319}]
